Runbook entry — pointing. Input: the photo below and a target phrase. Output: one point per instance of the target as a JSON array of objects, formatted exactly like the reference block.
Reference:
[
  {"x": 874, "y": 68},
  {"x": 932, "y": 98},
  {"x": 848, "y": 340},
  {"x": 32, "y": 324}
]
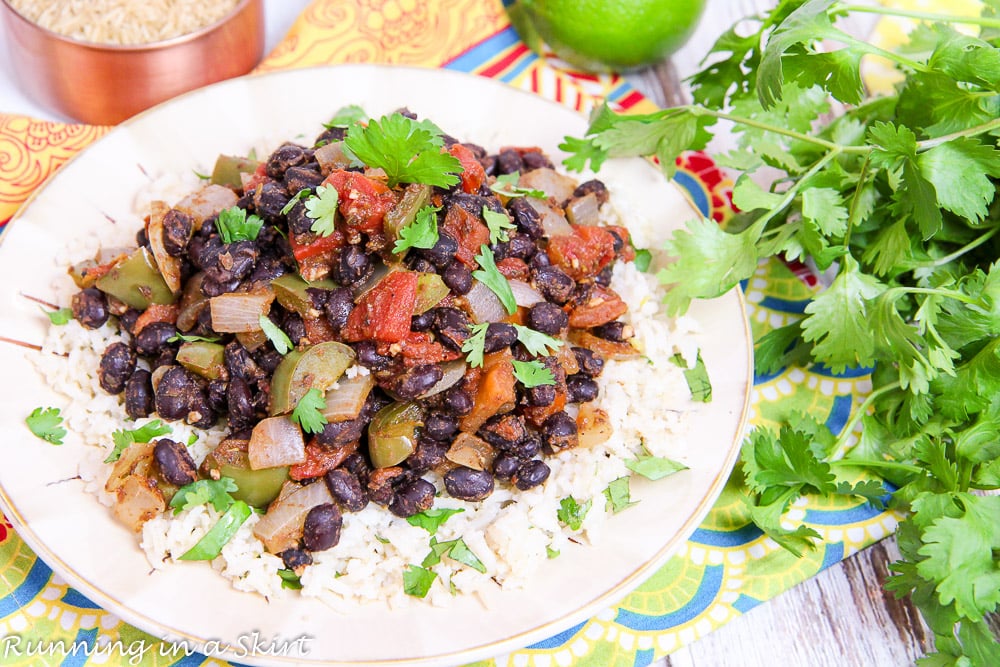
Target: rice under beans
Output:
[
  {"x": 512, "y": 532},
  {"x": 123, "y": 22}
]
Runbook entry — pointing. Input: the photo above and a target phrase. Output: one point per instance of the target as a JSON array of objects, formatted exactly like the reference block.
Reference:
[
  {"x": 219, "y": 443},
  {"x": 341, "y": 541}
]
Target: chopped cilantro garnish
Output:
[
  {"x": 322, "y": 208},
  {"x": 204, "y": 491},
  {"x": 535, "y": 342},
  {"x": 532, "y": 373},
  {"x": 432, "y": 519},
  {"x": 572, "y": 513},
  {"x": 290, "y": 580},
  {"x": 210, "y": 546},
  {"x": 417, "y": 580},
  {"x": 421, "y": 233},
  {"x": 499, "y": 224},
  {"x": 300, "y": 195},
  {"x": 346, "y": 116},
  {"x": 490, "y": 276},
  {"x": 308, "y": 412},
  {"x": 407, "y": 151},
  {"x": 642, "y": 259},
  {"x": 654, "y": 467},
  {"x": 475, "y": 345},
  {"x": 179, "y": 337},
  {"x": 46, "y": 423},
  {"x": 697, "y": 378},
  {"x": 233, "y": 224},
  {"x": 506, "y": 184},
  {"x": 146, "y": 433},
  {"x": 59, "y": 317},
  {"x": 619, "y": 495},
  {"x": 282, "y": 343},
  {"x": 455, "y": 549}
]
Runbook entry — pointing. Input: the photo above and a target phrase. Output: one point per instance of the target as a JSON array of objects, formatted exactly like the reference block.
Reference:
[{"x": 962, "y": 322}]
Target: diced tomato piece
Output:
[
  {"x": 602, "y": 306},
  {"x": 420, "y": 348},
  {"x": 363, "y": 201},
  {"x": 384, "y": 312},
  {"x": 320, "y": 460},
  {"x": 470, "y": 233},
  {"x": 627, "y": 252},
  {"x": 318, "y": 330},
  {"x": 310, "y": 245},
  {"x": 584, "y": 253},
  {"x": 251, "y": 181},
  {"x": 473, "y": 173},
  {"x": 156, "y": 313},
  {"x": 514, "y": 268}
]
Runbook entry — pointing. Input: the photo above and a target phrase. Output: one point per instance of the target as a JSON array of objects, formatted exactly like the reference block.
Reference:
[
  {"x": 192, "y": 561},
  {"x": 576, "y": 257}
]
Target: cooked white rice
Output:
[
  {"x": 511, "y": 532},
  {"x": 123, "y": 21}
]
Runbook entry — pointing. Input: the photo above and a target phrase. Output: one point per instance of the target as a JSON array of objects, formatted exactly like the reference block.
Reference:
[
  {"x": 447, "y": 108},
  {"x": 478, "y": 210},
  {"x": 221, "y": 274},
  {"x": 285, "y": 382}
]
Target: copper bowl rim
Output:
[{"x": 132, "y": 48}]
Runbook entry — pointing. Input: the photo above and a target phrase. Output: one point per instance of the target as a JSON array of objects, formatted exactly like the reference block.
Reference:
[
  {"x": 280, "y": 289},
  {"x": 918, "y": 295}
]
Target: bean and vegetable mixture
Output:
[{"x": 367, "y": 314}]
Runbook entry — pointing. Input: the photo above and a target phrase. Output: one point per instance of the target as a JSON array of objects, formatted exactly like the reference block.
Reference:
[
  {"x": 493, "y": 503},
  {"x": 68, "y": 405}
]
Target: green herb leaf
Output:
[
  {"x": 532, "y": 373},
  {"x": 417, "y": 580},
  {"x": 642, "y": 259},
  {"x": 619, "y": 495},
  {"x": 233, "y": 224},
  {"x": 290, "y": 580},
  {"x": 475, "y": 345},
  {"x": 282, "y": 343},
  {"x": 455, "y": 549},
  {"x": 499, "y": 224},
  {"x": 308, "y": 412},
  {"x": 304, "y": 193},
  {"x": 123, "y": 438},
  {"x": 408, "y": 151},
  {"x": 572, "y": 513},
  {"x": 421, "y": 233},
  {"x": 59, "y": 317},
  {"x": 697, "y": 378},
  {"x": 654, "y": 467},
  {"x": 346, "y": 116},
  {"x": 582, "y": 151},
  {"x": 322, "y": 208},
  {"x": 550, "y": 552},
  {"x": 179, "y": 337},
  {"x": 430, "y": 520},
  {"x": 506, "y": 184},
  {"x": 218, "y": 536},
  {"x": 46, "y": 423},
  {"x": 204, "y": 491},
  {"x": 491, "y": 277},
  {"x": 536, "y": 343}
]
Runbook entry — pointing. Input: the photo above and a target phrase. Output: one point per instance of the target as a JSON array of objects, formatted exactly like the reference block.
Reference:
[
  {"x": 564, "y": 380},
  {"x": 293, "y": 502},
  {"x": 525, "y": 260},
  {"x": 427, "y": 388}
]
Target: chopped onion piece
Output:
[
  {"x": 584, "y": 210},
  {"x": 239, "y": 312},
  {"x": 593, "y": 425},
  {"x": 344, "y": 402},
  {"x": 169, "y": 266},
  {"x": 553, "y": 220},
  {"x": 453, "y": 372},
  {"x": 206, "y": 203},
  {"x": 331, "y": 156},
  {"x": 282, "y": 526},
  {"x": 192, "y": 303},
  {"x": 551, "y": 182},
  {"x": 524, "y": 294},
  {"x": 471, "y": 451},
  {"x": 484, "y": 304},
  {"x": 274, "y": 442}
]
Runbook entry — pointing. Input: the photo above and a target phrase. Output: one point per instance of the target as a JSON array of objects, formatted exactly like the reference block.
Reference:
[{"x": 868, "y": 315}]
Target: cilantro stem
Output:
[
  {"x": 876, "y": 463},
  {"x": 755, "y": 230},
  {"x": 871, "y": 49},
  {"x": 860, "y": 412},
  {"x": 852, "y": 216},
  {"x": 893, "y": 293},
  {"x": 982, "y": 128},
  {"x": 792, "y": 134},
  {"x": 982, "y": 21},
  {"x": 968, "y": 247}
]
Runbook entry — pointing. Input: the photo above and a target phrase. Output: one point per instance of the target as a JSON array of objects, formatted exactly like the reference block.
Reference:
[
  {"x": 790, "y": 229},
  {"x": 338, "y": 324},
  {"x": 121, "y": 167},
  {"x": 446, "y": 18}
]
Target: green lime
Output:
[{"x": 607, "y": 35}]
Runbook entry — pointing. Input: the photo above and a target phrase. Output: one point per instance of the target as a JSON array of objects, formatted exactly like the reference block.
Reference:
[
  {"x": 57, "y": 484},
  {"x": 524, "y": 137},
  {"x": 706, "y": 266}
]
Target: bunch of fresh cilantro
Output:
[{"x": 895, "y": 195}]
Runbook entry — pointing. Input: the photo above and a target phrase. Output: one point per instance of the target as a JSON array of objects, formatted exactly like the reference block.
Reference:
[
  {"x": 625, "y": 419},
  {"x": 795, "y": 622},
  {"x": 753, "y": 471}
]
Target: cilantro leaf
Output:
[
  {"x": 417, "y": 580},
  {"x": 786, "y": 460},
  {"x": 211, "y": 544},
  {"x": 322, "y": 209},
  {"x": 123, "y": 438},
  {"x": 642, "y": 259},
  {"x": 233, "y": 224},
  {"x": 499, "y": 224},
  {"x": 290, "y": 580},
  {"x": 550, "y": 552},
  {"x": 46, "y": 423},
  {"x": 346, "y": 116},
  {"x": 203, "y": 492},
  {"x": 767, "y": 517},
  {"x": 475, "y": 345},
  {"x": 179, "y": 337},
  {"x": 582, "y": 151},
  {"x": 421, "y": 233},
  {"x": 430, "y": 520},
  {"x": 490, "y": 276},
  {"x": 408, "y": 151},
  {"x": 59, "y": 317},
  {"x": 532, "y": 373},
  {"x": 572, "y": 513},
  {"x": 654, "y": 467},
  {"x": 304, "y": 193},
  {"x": 697, "y": 378},
  {"x": 455, "y": 549},
  {"x": 282, "y": 343},
  {"x": 308, "y": 412},
  {"x": 506, "y": 184},
  {"x": 536, "y": 343},
  {"x": 619, "y": 495}
]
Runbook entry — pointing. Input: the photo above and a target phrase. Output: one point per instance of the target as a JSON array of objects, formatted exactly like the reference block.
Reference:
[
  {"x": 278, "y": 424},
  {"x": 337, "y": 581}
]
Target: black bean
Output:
[
  {"x": 239, "y": 401},
  {"x": 175, "y": 462},
  {"x": 457, "y": 277},
  {"x": 443, "y": 251},
  {"x": 474, "y": 203},
  {"x": 128, "y": 319},
  {"x": 509, "y": 161},
  {"x": 504, "y": 431},
  {"x": 539, "y": 261},
  {"x": 293, "y": 559},
  {"x": 530, "y": 474},
  {"x": 527, "y": 448},
  {"x": 541, "y": 395},
  {"x": 269, "y": 199},
  {"x": 415, "y": 496},
  {"x": 428, "y": 454},
  {"x": 357, "y": 465},
  {"x": 416, "y": 381},
  {"x": 553, "y": 283},
  {"x": 141, "y": 239},
  {"x": 346, "y": 490},
  {"x": 616, "y": 331},
  {"x": 322, "y": 527},
  {"x": 548, "y": 318},
  {"x": 382, "y": 483},
  {"x": 353, "y": 266},
  {"x": 451, "y": 326},
  {"x": 139, "y": 394},
  {"x": 420, "y": 264},
  {"x": 440, "y": 425},
  {"x": 116, "y": 366},
  {"x": 293, "y": 325},
  {"x": 283, "y": 157},
  {"x": 152, "y": 340},
  {"x": 298, "y": 221},
  {"x": 330, "y": 135},
  {"x": 339, "y": 304},
  {"x": 519, "y": 246},
  {"x": 498, "y": 336},
  {"x": 603, "y": 276},
  {"x": 240, "y": 364},
  {"x": 301, "y": 178},
  {"x": 369, "y": 357},
  {"x": 178, "y": 227},
  {"x": 339, "y": 434},
  {"x": 468, "y": 484},
  {"x": 422, "y": 322},
  {"x": 216, "y": 392},
  {"x": 90, "y": 307},
  {"x": 527, "y": 219},
  {"x": 268, "y": 359},
  {"x": 233, "y": 262},
  {"x": 580, "y": 388},
  {"x": 589, "y": 362},
  {"x": 593, "y": 186},
  {"x": 458, "y": 401},
  {"x": 618, "y": 242},
  {"x": 164, "y": 358},
  {"x": 179, "y": 395},
  {"x": 267, "y": 269},
  {"x": 505, "y": 465},
  {"x": 536, "y": 160},
  {"x": 559, "y": 431}
]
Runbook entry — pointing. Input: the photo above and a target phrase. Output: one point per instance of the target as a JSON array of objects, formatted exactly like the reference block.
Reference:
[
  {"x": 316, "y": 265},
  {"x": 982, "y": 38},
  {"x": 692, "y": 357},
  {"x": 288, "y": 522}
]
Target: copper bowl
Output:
[{"x": 104, "y": 84}]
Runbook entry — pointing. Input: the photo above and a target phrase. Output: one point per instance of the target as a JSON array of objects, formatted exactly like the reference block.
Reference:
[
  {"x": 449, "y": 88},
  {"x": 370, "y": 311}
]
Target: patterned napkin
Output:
[{"x": 726, "y": 568}]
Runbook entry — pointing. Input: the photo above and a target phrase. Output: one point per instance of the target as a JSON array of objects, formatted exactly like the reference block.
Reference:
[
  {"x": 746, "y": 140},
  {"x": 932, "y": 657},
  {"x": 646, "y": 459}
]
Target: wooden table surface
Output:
[{"x": 843, "y": 617}]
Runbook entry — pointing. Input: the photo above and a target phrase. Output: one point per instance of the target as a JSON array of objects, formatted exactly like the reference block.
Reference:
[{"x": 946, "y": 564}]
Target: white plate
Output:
[{"x": 83, "y": 543}]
